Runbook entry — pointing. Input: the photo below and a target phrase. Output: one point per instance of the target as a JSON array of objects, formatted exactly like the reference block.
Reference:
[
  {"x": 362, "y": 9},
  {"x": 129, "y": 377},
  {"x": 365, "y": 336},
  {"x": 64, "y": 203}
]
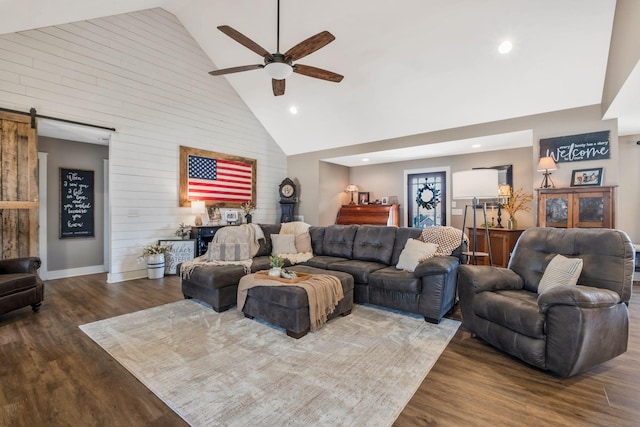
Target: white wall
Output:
[{"x": 143, "y": 74}]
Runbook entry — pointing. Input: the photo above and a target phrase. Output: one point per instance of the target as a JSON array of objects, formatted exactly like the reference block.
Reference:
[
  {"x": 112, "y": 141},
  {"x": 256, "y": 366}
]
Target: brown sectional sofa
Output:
[{"x": 368, "y": 253}]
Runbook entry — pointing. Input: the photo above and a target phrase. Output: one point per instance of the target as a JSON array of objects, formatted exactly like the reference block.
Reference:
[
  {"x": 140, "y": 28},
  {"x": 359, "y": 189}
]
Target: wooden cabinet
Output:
[
  {"x": 369, "y": 214},
  {"x": 576, "y": 207},
  {"x": 502, "y": 243}
]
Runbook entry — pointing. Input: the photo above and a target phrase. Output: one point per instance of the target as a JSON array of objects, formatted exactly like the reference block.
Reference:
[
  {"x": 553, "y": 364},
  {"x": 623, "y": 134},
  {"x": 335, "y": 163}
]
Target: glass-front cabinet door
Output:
[{"x": 591, "y": 207}]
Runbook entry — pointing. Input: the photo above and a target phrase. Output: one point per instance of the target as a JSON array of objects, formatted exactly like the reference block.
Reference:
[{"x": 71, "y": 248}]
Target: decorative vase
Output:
[
  {"x": 512, "y": 224},
  {"x": 275, "y": 271},
  {"x": 155, "y": 266},
  {"x": 248, "y": 218}
]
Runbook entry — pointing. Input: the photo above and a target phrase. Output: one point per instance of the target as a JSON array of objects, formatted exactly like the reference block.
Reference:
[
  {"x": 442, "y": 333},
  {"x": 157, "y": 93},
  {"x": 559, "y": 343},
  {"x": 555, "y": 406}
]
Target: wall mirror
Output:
[{"x": 505, "y": 176}]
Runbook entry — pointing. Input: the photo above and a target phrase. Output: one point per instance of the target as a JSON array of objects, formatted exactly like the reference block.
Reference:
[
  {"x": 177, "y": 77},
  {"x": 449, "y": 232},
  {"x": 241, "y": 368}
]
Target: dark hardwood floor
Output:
[{"x": 52, "y": 374}]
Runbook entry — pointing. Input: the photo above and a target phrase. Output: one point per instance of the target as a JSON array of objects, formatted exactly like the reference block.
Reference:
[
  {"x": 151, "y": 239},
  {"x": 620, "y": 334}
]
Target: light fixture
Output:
[
  {"x": 198, "y": 208},
  {"x": 278, "y": 70},
  {"x": 476, "y": 184},
  {"x": 293, "y": 109},
  {"x": 505, "y": 47},
  {"x": 351, "y": 189},
  {"x": 545, "y": 165},
  {"x": 504, "y": 193}
]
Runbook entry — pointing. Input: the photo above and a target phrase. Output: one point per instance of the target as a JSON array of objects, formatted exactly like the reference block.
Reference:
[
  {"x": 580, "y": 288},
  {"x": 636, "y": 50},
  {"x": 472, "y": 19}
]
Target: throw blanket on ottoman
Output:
[{"x": 323, "y": 291}]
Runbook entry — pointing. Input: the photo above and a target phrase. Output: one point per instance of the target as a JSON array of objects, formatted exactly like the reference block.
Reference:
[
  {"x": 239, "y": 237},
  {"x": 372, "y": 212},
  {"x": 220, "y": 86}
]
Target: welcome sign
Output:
[{"x": 576, "y": 148}]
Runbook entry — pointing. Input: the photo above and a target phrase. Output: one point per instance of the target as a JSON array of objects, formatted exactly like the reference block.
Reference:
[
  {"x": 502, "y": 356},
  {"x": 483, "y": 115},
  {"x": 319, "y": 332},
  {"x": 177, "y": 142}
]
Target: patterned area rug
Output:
[{"x": 223, "y": 369}]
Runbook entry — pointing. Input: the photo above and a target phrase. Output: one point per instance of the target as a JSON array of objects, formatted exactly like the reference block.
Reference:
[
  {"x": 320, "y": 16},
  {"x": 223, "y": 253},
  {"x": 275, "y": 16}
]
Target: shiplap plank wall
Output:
[{"x": 143, "y": 74}]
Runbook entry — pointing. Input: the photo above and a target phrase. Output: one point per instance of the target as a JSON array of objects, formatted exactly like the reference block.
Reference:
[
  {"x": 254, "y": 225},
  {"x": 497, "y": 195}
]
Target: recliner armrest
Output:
[
  {"x": 481, "y": 278},
  {"x": 436, "y": 265},
  {"x": 20, "y": 265},
  {"x": 578, "y": 296}
]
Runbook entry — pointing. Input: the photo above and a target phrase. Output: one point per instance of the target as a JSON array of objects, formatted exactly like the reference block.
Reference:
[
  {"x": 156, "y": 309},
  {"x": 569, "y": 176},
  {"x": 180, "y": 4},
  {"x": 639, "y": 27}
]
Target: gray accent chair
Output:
[{"x": 567, "y": 329}]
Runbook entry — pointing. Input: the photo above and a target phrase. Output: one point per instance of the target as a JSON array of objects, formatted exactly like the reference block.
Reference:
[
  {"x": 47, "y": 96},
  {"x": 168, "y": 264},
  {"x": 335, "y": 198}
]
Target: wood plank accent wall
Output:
[
  {"x": 18, "y": 187},
  {"x": 143, "y": 74}
]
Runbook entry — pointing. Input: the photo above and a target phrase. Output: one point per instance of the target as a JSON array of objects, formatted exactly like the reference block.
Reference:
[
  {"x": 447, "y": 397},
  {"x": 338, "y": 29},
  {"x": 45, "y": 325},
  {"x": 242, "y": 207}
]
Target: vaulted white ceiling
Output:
[{"x": 410, "y": 66}]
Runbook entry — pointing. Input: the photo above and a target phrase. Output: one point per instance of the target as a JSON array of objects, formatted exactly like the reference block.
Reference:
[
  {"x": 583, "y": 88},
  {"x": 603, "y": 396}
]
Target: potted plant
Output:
[
  {"x": 154, "y": 254},
  {"x": 183, "y": 231},
  {"x": 275, "y": 262},
  {"x": 516, "y": 203},
  {"x": 248, "y": 208}
]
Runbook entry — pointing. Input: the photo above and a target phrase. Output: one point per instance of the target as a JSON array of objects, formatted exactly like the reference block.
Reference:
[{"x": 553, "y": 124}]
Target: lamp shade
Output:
[
  {"x": 547, "y": 164},
  {"x": 197, "y": 207},
  {"x": 475, "y": 183},
  {"x": 351, "y": 188}
]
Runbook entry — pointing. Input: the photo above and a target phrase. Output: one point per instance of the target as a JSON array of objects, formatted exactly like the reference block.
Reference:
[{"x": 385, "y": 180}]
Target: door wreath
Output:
[{"x": 433, "y": 201}]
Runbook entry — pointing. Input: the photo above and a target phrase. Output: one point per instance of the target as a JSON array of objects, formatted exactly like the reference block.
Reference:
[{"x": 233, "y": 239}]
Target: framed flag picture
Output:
[{"x": 216, "y": 178}]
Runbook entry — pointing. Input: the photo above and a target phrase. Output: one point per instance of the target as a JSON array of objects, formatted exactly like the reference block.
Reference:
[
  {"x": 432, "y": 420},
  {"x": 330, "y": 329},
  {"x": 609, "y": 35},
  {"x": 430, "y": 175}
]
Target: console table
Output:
[
  {"x": 369, "y": 214},
  {"x": 502, "y": 241},
  {"x": 203, "y": 235}
]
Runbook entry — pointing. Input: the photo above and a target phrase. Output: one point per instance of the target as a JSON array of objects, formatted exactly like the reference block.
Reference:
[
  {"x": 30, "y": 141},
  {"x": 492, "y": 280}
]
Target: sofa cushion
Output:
[
  {"x": 322, "y": 261},
  {"x": 12, "y": 283},
  {"x": 360, "y": 270},
  {"x": 515, "y": 310},
  {"x": 373, "y": 243},
  {"x": 402, "y": 235},
  {"x": 338, "y": 240},
  {"x": 561, "y": 271},
  {"x": 317, "y": 239},
  {"x": 415, "y": 251},
  {"x": 265, "y": 244},
  {"x": 395, "y": 280}
]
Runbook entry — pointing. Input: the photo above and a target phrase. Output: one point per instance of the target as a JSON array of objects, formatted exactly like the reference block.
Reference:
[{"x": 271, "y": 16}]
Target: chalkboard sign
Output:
[
  {"x": 76, "y": 203},
  {"x": 575, "y": 148},
  {"x": 181, "y": 251}
]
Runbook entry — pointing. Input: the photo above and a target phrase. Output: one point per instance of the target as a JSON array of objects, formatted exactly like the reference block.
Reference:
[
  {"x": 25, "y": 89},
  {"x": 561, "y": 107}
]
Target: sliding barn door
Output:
[{"x": 18, "y": 187}]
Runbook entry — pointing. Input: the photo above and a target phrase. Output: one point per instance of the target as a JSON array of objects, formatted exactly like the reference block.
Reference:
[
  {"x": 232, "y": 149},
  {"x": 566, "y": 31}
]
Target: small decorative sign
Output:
[
  {"x": 576, "y": 148},
  {"x": 181, "y": 251},
  {"x": 76, "y": 203}
]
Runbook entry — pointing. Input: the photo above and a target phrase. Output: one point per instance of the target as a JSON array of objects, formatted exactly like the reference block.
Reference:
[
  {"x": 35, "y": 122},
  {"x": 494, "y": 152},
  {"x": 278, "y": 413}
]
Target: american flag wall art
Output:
[{"x": 215, "y": 178}]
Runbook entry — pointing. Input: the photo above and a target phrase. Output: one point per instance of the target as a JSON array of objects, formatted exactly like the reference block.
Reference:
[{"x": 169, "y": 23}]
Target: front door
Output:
[{"x": 426, "y": 199}]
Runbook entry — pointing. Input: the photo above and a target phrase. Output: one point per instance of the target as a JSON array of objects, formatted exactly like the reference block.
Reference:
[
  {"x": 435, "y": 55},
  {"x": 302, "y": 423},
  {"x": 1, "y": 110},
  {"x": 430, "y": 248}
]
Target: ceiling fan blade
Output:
[
  {"x": 245, "y": 41},
  {"x": 318, "y": 73},
  {"x": 235, "y": 69},
  {"x": 310, "y": 45},
  {"x": 278, "y": 87}
]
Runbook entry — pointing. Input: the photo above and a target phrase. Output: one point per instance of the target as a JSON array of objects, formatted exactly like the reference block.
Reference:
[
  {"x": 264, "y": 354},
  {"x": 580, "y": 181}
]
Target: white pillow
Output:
[
  {"x": 415, "y": 251},
  {"x": 283, "y": 244},
  {"x": 561, "y": 271},
  {"x": 303, "y": 242}
]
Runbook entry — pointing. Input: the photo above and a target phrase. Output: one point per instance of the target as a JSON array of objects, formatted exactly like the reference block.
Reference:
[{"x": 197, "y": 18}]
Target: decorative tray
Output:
[{"x": 264, "y": 274}]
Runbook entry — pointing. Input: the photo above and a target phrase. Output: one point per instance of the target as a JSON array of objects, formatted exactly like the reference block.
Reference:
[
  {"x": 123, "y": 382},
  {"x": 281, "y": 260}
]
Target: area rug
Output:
[{"x": 223, "y": 369}]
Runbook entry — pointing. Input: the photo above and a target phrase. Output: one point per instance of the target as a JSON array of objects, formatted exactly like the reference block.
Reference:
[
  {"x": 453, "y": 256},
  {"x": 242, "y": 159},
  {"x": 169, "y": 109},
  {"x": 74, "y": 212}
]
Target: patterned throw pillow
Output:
[
  {"x": 561, "y": 271},
  {"x": 228, "y": 252},
  {"x": 413, "y": 253},
  {"x": 447, "y": 238},
  {"x": 303, "y": 242}
]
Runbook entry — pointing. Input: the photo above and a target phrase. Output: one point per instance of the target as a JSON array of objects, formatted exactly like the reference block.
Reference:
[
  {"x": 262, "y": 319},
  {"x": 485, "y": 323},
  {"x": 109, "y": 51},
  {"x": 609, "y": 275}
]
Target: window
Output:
[{"x": 421, "y": 217}]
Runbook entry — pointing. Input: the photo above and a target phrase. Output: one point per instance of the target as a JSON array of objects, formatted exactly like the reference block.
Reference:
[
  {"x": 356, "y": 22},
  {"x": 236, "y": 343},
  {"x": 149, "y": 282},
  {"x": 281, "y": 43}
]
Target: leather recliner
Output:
[
  {"x": 566, "y": 329},
  {"x": 20, "y": 284}
]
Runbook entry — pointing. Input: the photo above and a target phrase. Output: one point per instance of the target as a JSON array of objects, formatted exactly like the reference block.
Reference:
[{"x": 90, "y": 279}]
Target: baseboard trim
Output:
[
  {"x": 126, "y": 276},
  {"x": 73, "y": 272}
]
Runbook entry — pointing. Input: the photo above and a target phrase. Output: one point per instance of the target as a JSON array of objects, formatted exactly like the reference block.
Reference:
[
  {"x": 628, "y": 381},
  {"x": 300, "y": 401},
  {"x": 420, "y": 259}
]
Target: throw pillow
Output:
[
  {"x": 303, "y": 242},
  {"x": 414, "y": 251},
  {"x": 447, "y": 238},
  {"x": 561, "y": 271},
  {"x": 228, "y": 252},
  {"x": 283, "y": 244}
]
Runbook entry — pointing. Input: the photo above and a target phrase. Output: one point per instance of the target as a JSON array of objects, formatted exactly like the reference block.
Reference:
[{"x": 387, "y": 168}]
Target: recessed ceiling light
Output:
[
  {"x": 293, "y": 109},
  {"x": 476, "y": 146},
  {"x": 365, "y": 160},
  {"x": 505, "y": 47}
]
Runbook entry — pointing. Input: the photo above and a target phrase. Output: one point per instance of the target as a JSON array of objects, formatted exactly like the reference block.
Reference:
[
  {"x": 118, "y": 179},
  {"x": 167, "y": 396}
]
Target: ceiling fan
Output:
[{"x": 278, "y": 65}]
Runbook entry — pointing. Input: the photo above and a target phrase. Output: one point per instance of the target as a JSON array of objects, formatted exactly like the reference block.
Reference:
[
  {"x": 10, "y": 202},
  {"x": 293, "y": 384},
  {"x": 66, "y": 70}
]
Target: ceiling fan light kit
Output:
[{"x": 280, "y": 66}]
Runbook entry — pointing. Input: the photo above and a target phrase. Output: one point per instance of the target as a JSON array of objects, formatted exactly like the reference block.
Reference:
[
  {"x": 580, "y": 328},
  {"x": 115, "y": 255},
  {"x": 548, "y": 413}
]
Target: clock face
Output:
[{"x": 287, "y": 190}]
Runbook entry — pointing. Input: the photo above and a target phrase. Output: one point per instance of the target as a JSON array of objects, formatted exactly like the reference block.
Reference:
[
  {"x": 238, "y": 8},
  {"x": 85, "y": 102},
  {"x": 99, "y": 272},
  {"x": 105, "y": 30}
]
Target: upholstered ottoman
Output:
[{"x": 288, "y": 306}]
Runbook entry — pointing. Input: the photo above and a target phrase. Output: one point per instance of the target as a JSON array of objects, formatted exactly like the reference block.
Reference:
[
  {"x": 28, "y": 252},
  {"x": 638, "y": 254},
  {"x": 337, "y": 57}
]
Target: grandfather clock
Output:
[{"x": 288, "y": 199}]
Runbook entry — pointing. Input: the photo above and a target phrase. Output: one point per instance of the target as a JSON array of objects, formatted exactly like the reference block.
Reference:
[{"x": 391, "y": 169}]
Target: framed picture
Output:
[
  {"x": 363, "y": 197},
  {"x": 231, "y": 216},
  {"x": 181, "y": 251},
  {"x": 586, "y": 177},
  {"x": 384, "y": 200}
]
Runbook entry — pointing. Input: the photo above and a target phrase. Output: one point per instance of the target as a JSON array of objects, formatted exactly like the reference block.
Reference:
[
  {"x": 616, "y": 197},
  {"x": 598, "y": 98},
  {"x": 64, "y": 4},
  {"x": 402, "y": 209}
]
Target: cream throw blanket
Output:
[{"x": 324, "y": 293}]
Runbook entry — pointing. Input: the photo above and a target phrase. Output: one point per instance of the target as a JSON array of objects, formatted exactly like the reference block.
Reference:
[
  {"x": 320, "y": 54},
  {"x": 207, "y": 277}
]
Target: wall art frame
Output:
[{"x": 219, "y": 179}]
